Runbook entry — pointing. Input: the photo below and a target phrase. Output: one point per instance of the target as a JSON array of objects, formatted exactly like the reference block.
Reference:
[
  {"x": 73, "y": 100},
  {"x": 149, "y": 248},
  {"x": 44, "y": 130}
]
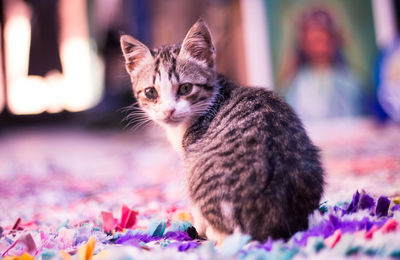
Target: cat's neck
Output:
[
  {"x": 199, "y": 126},
  {"x": 175, "y": 136}
]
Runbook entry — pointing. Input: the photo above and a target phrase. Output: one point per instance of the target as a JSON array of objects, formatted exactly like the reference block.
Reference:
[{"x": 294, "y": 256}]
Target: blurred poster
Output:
[
  {"x": 2, "y": 89},
  {"x": 322, "y": 55},
  {"x": 388, "y": 92}
]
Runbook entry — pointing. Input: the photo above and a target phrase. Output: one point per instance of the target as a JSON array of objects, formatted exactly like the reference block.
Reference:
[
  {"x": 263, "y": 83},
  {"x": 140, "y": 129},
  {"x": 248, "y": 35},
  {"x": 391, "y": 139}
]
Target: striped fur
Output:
[
  {"x": 250, "y": 165},
  {"x": 253, "y": 154}
]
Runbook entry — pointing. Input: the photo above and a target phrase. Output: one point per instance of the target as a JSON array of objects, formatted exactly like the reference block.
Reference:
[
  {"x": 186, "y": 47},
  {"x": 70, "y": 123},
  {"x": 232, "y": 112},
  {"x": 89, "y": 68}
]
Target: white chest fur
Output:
[{"x": 175, "y": 136}]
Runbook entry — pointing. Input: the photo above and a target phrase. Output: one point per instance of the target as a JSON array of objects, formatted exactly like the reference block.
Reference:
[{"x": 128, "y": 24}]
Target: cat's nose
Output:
[{"x": 169, "y": 112}]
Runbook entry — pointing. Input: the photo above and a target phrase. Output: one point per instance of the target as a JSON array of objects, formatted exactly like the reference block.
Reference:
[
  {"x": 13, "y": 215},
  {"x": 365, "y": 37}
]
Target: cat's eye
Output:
[
  {"x": 185, "y": 89},
  {"x": 151, "y": 93}
]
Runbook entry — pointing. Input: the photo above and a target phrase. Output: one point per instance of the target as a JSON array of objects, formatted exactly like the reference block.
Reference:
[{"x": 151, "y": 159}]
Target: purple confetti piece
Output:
[
  {"x": 184, "y": 246},
  {"x": 380, "y": 223},
  {"x": 178, "y": 235},
  {"x": 267, "y": 245},
  {"x": 382, "y": 206},
  {"x": 353, "y": 204},
  {"x": 132, "y": 242},
  {"x": 142, "y": 237},
  {"x": 366, "y": 202},
  {"x": 366, "y": 224},
  {"x": 396, "y": 207},
  {"x": 83, "y": 235},
  {"x": 335, "y": 221},
  {"x": 188, "y": 245},
  {"x": 327, "y": 227},
  {"x": 302, "y": 240}
]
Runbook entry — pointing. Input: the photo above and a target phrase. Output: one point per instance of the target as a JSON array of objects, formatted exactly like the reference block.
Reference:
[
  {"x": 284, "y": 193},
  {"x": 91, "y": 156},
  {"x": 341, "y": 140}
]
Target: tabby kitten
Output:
[{"x": 251, "y": 167}]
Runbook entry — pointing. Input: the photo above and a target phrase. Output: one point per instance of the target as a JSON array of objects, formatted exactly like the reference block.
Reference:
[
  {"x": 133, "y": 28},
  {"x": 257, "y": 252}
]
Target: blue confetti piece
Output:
[
  {"x": 180, "y": 225},
  {"x": 47, "y": 255},
  {"x": 233, "y": 244},
  {"x": 156, "y": 228},
  {"x": 323, "y": 208},
  {"x": 282, "y": 252},
  {"x": 64, "y": 224},
  {"x": 257, "y": 254}
]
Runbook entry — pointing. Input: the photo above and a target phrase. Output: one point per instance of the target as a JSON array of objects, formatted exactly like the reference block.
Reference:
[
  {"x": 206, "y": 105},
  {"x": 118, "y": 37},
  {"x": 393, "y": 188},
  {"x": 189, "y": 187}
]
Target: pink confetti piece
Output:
[
  {"x": 109, "y": 222},
  {"x": 128, "y": 220},
  {"x": 27, "y": 241},
  {"x": 333, "y": 239},
  {"x": 370, "y": 233},
  {"x": 128, "y": 217},
  {"x": 389, "y": 226},
  {"x": 16, "y": 226}
]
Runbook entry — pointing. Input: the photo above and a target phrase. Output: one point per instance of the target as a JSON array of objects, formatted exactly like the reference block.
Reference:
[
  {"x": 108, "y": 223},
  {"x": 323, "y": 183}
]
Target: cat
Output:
[{"x": 250, "y": 166}]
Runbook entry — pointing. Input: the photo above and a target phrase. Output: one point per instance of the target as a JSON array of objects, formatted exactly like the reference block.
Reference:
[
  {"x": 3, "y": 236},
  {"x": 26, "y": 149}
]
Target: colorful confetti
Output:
[{"x": 108, "y": 195}]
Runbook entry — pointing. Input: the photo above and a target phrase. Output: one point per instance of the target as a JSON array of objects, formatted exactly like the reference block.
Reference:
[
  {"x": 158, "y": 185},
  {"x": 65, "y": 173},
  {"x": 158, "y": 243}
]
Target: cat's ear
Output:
[
  {"x": 198, "y": 44},
  {"x": 134, "y": 52}
]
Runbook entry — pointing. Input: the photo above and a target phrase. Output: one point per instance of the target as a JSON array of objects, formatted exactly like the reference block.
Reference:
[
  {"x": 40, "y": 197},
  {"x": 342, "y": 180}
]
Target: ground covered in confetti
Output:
[{"x": 70, "y": 193}]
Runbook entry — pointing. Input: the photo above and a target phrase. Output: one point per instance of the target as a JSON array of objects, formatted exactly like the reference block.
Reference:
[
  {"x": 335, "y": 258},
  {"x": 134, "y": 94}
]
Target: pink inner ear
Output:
[
  {"x": 198, "y": 43},
  {"x": 134, "y": 52}
]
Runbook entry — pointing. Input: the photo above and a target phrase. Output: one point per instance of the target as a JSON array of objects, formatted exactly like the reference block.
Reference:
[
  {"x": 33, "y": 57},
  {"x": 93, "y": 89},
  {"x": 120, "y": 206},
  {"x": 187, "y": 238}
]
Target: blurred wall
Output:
[
  {"x": 56, "y": 51},
  {"x": 173, "y": 18},
  {"x": 238, "y": 31}
]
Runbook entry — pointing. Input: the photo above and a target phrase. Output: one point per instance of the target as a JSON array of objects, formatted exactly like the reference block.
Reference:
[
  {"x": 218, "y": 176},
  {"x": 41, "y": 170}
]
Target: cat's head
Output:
[{"x": 175, "y": 83}]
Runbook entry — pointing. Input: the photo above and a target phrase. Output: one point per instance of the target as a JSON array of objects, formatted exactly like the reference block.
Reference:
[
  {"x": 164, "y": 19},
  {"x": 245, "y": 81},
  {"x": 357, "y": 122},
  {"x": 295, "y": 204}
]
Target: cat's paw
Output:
[{"x": 216, "y": 236}]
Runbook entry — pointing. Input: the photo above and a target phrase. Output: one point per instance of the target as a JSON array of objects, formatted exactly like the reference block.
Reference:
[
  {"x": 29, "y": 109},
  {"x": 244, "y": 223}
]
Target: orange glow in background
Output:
[{"x": 80, "y": 85}]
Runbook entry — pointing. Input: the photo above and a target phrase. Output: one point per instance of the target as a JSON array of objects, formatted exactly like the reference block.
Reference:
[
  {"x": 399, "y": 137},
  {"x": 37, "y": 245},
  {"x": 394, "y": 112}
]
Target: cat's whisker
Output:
[
  {"x": 204, "y": 108},
  {"x": 135, "y": 115},
  {"x": 134, "y": 112},
  {"x": 201, "y": 108},
  {"x": 132, "y": 125},
  {"x": 142, "y": 124},
  {"x": 135, "y": 119},
  {"x": 129, "y": 108}
]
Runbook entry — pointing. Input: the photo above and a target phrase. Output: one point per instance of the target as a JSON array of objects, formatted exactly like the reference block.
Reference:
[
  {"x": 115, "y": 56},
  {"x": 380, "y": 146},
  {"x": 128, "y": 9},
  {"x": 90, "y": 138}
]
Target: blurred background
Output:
[
  {"x": 61, "y": 60},
  {"x": 63, "y": 87}
]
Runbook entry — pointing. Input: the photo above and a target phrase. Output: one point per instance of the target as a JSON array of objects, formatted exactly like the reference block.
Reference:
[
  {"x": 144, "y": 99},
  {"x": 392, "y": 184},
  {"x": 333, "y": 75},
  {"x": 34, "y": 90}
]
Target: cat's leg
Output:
[
  {"x": 203, "y": 227},
  {"x": 199, "y": 222}
]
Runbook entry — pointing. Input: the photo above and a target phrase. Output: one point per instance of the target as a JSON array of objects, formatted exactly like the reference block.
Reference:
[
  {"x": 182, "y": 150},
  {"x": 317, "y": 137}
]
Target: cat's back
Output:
[
  {"x": 250, "y": 155},
  {"x": 245, "y": 118}
]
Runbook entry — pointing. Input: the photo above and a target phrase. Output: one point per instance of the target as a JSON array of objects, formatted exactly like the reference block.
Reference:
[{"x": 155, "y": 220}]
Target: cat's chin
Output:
[{"x": 168, "y": 122}]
